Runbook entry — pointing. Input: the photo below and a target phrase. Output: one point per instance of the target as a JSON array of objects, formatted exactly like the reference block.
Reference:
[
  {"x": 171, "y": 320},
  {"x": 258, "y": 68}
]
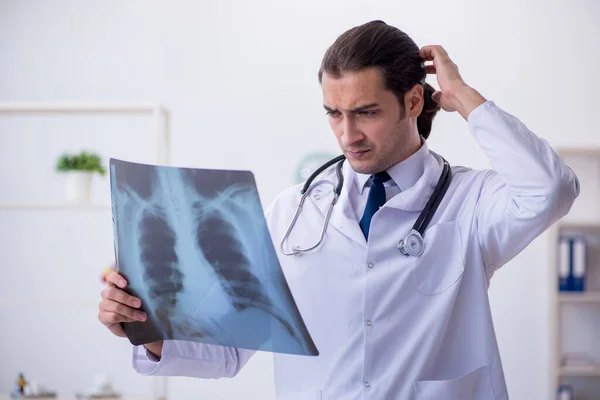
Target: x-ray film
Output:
[{"x": 194, "y": 246}]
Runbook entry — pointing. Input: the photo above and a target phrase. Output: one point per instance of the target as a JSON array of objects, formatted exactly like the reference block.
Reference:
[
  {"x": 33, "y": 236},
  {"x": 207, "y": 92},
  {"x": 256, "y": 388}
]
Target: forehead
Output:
[{"x": 353, "y": 89}]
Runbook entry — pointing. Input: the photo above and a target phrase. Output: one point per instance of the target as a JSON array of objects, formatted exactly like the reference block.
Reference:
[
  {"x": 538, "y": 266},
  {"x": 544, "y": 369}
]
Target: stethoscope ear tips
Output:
[{"x": 412, "y": 244}]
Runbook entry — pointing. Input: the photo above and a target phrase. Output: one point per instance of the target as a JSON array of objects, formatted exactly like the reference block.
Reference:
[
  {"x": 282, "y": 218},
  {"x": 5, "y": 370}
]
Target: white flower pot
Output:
[{"x": 78, "y": 186}]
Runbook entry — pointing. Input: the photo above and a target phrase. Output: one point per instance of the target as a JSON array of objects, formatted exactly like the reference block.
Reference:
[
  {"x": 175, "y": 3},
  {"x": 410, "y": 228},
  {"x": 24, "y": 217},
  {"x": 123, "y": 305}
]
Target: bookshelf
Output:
[
  {"x": 56, "y": 207},
  {"x": 28, "y": 308},
  {"x": 160, "y": 133},
  {"x": 580, "y": 371},
  {"x": 575, "y": 315},
  {"x": 579, "y": 298}
]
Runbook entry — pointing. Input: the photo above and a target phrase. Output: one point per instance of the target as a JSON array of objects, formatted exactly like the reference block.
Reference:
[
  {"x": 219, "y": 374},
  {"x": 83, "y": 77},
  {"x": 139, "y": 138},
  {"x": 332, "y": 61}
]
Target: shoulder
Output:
[
  {"x": 288, "y": 199},
  {"x": 285, "y": 198},
  {"x": 464, "y": 174},
  {"x": 474, "y": 181},
  {"x": 465, "y": 177}
]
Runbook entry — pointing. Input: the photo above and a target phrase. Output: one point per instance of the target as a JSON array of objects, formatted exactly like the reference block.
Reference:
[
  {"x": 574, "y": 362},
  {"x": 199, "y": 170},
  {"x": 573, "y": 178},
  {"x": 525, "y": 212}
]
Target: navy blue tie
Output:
[{"x": 375, "y": 200}]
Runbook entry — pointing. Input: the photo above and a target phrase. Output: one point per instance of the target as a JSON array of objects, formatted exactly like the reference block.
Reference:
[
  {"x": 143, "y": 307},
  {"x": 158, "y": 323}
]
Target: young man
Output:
[{"x": 391, "y": 326}]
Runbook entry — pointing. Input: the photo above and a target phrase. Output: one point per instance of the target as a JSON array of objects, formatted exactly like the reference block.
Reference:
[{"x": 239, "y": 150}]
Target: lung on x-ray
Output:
[{"x": 195, "y": 248}]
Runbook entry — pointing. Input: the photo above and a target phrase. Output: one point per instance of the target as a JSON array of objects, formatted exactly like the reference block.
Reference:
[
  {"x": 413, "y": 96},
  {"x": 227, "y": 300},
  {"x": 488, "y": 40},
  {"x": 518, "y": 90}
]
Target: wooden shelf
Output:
[
  {"x": 68, "y": 397},
  {"x": 579, "y": 151},
  {"x": 580, "y": 371},
  {"x": 81, "y": 108},
  {"x": 47, "y": 303},
  {"x": 56, "y": 207},
  {"x": 579, "y": 225},
  {"x": 579, "y": 297}
]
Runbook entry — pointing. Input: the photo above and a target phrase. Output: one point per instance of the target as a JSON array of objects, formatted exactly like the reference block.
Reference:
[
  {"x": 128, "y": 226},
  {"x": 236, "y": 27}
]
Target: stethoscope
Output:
[{"x": 411, "y": 245}]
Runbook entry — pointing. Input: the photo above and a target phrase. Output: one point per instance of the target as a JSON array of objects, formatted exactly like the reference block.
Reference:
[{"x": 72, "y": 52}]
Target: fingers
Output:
[
  {"x": 428, "y": 53},
  {"x": 115, "y": 279},
  {"x": 119, "y": 312},
  {"x": 105, "y": 273},
  {"x": 436, "y": 96},
  {"x": 430, "y": 69},
  {"x": 111, "y": 293},
  {"x": 112, "y": 314},
  {"x": 109, "y": 318},
  {"x": 117, "y": 330},
  {"x": 116, "y": 305},
  {"x": 114, "y": 327}
]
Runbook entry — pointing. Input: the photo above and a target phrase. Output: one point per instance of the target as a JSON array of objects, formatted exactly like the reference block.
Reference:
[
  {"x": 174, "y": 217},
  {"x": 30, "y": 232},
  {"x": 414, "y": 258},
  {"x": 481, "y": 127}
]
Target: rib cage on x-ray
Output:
[{"x": 194, "y": 246}]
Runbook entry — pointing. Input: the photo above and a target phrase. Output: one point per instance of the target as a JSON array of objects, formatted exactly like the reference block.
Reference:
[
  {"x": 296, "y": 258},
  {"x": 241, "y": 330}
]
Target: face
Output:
[{"x": 372, "y": 129}]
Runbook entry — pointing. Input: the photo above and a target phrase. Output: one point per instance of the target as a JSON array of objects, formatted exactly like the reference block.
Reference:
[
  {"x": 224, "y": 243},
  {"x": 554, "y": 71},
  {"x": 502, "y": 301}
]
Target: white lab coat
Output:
[{"x": 394, "y": 327}]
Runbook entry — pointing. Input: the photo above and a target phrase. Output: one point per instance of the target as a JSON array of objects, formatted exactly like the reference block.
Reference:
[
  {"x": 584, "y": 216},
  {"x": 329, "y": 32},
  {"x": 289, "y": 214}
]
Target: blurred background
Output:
[{"x": 234, "y": 85}]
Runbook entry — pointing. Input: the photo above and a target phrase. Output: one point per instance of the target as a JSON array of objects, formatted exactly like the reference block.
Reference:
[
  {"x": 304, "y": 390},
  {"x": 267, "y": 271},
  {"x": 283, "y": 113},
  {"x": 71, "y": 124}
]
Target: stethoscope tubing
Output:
[{"x": 416, "y": 233}]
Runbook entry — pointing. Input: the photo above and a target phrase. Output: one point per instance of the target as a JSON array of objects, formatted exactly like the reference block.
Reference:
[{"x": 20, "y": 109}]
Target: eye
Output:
[
  {"x": 368, "y": 113},
  {"x": 333, "y": 114}
]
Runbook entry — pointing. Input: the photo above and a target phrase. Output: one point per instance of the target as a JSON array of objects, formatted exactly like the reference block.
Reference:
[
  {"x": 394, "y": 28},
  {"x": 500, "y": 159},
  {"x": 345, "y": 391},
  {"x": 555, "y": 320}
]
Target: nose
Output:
[{"x": 350, "y": 132}]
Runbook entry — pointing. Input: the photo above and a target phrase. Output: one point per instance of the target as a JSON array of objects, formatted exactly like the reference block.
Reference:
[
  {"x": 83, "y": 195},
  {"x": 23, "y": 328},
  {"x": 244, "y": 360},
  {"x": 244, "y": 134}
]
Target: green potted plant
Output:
[{"x": 79, "y": 170}]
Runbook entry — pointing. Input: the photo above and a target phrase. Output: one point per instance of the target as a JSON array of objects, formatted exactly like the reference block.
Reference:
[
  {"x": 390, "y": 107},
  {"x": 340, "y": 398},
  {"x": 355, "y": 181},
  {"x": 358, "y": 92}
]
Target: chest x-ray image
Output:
[{"x": 195, "y": 248}]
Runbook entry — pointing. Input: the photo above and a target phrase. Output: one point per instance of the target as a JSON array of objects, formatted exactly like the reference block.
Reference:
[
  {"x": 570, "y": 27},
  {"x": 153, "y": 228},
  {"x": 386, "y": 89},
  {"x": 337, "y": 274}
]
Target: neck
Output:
[{"x": 409, "y": 148}]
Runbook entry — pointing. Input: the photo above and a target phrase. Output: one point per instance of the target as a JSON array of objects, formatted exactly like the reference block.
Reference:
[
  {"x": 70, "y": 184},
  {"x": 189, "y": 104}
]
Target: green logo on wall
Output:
[{"x": 310, "y": 163}]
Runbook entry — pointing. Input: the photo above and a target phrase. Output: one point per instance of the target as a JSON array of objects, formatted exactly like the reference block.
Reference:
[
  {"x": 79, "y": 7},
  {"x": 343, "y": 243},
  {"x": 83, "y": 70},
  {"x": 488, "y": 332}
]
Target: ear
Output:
[{"x": 414, "y": 101}]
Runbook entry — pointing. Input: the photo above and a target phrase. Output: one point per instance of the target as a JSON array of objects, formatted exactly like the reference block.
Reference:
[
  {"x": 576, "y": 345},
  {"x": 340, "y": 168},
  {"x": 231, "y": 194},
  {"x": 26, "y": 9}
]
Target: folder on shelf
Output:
[
  {"x": 579, "y": 252},
  {"x": 572, "y": 263},
  {"x": 564, "y": 263},
  {"x": 565, "y": 392}
]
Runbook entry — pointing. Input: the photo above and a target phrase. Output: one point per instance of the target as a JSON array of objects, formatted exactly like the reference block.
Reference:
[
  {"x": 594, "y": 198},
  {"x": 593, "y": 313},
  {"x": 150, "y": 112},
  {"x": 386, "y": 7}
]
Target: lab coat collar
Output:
[
  {"x": 404, "y": 174},
  {"x": 343, "y": 218},
  {"x": 415, "y": 198}
]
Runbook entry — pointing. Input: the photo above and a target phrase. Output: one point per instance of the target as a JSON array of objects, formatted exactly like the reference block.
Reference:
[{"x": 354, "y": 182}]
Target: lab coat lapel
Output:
[
  {"x": 415, "y": 198},
  {"x": 342, "y": 217}
]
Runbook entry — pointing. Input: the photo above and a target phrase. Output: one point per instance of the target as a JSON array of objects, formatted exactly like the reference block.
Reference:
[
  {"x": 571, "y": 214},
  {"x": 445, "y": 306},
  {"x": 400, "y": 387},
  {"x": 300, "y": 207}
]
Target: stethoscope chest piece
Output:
[{"x": 412, "y": 244}]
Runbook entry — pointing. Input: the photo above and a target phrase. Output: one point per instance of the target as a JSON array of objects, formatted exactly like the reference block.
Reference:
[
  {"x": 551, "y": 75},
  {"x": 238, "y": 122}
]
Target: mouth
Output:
[{"x": 357, "y": 154}]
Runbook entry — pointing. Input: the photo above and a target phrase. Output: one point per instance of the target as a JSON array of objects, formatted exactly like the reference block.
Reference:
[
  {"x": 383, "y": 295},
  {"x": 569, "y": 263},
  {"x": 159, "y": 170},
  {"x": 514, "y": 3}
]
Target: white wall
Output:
[{"x": 240, "y": 80}]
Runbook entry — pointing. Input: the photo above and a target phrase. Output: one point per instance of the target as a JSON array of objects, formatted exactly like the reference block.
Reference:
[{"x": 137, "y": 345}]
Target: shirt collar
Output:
[{"x": 404, "y": 174}]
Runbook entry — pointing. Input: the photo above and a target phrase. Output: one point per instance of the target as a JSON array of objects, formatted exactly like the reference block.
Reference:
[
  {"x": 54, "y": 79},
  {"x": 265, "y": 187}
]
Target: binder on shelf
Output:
[
  {"x": 565, "y": 392},
  {"x": 572, "y": 260},
  {"x": 564, "y": 266},
  {"x": 579, "y": 263}
]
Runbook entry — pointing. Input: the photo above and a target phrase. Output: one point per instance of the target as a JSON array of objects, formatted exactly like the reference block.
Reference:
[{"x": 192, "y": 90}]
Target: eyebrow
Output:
[{"x": 354, "y": 110}]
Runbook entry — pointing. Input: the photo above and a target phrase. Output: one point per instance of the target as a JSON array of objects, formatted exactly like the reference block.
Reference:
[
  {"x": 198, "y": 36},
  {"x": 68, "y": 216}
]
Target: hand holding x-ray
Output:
[{"x": 118, "y": 307}]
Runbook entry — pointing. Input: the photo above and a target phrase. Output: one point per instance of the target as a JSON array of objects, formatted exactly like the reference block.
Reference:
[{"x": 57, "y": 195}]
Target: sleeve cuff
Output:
[
  {"x": 145, "y": 362},
  {"x": 480, "y": 111}
]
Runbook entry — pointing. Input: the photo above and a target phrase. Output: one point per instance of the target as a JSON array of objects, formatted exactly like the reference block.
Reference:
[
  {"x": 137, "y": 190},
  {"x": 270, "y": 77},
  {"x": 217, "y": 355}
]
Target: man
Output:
[{"x": 391, "y": 326}]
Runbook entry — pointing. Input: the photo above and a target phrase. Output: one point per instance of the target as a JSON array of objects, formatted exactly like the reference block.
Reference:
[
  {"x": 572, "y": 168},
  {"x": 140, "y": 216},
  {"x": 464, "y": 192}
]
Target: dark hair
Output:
[{"x": 377, "y": 44}]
